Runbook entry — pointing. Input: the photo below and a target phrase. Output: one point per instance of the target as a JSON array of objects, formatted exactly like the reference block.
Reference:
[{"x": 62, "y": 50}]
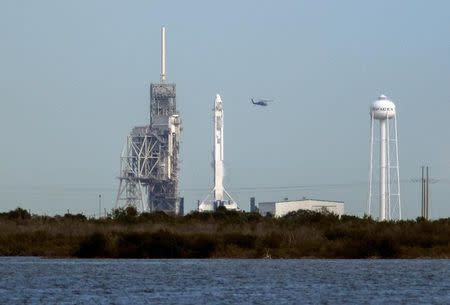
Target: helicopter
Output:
[{"x": 260, "y": 102}]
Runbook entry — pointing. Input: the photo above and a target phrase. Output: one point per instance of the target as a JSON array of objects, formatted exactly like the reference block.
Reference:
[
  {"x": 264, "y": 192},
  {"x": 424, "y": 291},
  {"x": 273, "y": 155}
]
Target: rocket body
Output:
[
  {"x": 218, "y": 149},
  {"x": 218, "y": 197}
]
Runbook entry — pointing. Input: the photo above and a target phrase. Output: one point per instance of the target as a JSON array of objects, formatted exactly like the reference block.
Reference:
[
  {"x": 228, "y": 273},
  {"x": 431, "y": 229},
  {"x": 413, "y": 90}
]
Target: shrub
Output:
[
  {"x": 199, "y": 246},
  {"x": 161, "y": 244},
  {"x": 95, "y": 245},
  {"x": 18, "y": 213},
  {"x": 271, "y": 240},
  {"x": 78, "y": 216},
  {"x": 310, "y": 217},
  {"x": 128, "y": 214},
  {"x": 157, "y": 216},
  {"x": 245, "y": 241}
]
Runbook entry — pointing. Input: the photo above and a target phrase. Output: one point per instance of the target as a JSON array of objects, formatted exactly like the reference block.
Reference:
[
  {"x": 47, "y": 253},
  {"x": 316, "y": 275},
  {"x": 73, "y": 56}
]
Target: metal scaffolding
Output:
[{"x": 149, "y": 160}]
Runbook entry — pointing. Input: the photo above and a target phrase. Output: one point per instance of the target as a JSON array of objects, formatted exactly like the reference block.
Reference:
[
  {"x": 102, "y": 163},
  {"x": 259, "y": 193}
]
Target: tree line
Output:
[{"x": 125, "y": 233}]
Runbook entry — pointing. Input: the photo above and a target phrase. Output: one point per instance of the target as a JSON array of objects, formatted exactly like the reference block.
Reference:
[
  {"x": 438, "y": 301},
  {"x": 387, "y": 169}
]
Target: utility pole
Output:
[
  {"x": 425, "y": 182},
  {"x": 427, "y": 194},
  {"x": 425, "y": 191},
  {"x": 99, "y": 206}
]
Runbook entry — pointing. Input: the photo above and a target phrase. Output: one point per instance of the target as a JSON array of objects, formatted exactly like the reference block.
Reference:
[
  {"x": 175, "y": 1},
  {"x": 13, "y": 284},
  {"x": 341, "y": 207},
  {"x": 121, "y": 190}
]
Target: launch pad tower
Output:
[{"x": 149, "y": 161}]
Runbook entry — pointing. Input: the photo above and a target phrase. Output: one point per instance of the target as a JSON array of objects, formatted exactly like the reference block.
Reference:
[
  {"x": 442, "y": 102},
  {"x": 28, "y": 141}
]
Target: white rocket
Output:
[
  {"x": 218, "y": 149},
  {"x": 219, "y": 191}
]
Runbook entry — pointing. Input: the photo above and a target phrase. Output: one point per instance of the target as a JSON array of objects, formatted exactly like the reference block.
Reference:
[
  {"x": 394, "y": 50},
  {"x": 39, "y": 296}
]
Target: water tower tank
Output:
[{"x": 382, "y": 108}]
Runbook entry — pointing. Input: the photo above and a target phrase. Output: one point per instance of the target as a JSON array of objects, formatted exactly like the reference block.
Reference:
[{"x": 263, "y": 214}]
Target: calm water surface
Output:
[{"x": 63, "y": 281}]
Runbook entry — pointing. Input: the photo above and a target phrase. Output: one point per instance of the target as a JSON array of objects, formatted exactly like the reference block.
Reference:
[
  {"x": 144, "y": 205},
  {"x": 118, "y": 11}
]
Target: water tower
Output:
[{"x": 383, "y": 111}]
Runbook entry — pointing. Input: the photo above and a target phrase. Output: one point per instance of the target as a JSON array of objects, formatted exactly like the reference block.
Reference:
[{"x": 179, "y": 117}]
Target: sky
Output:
[{"x": 75, "y": 77}]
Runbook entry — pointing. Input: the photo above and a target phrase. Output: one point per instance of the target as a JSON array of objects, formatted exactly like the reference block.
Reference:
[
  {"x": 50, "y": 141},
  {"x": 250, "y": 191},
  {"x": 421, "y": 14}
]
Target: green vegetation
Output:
[{"x": 125, "y": 233}]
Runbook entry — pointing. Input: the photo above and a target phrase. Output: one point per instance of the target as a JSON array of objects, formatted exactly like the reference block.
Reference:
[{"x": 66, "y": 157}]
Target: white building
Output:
[{"x": 281, "y": 208}]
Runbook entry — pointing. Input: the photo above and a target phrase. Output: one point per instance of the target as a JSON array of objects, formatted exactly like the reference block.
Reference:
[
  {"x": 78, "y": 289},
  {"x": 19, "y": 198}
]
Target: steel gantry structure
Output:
[{"x": 148, "y": 177}]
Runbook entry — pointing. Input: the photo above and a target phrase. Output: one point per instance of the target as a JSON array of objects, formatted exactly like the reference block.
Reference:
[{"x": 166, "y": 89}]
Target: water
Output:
[{"x": 64, "y": 281}]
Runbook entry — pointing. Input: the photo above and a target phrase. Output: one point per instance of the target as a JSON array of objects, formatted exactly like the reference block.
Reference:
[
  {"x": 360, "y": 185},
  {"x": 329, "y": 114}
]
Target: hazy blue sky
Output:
[{"x": 75, "y": 75}]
